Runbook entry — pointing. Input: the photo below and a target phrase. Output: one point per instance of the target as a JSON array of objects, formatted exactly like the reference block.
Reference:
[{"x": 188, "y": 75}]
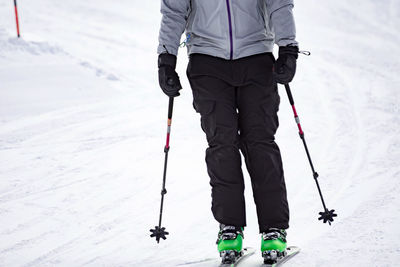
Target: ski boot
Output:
[
  {"x": 273, "y": 245},
  {"x": 230, "y": 241}
]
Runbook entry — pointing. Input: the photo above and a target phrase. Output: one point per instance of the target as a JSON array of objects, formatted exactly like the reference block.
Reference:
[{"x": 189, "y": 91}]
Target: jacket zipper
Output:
[{"x": 230, "y": 28}]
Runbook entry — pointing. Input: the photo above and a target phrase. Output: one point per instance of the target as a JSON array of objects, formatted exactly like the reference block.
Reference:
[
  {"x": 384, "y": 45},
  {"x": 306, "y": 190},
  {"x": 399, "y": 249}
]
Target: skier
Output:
[{"x": 234, "y": 76}]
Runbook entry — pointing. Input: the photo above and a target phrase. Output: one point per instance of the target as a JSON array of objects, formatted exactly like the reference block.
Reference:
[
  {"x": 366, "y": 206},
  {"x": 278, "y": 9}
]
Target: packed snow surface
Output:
[{"x": 83, "y": 124}]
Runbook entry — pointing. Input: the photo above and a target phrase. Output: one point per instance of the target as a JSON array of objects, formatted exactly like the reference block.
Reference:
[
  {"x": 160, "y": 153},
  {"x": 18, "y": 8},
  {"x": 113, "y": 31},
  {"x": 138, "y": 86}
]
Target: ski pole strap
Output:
[{"x": 306, "y": 53}]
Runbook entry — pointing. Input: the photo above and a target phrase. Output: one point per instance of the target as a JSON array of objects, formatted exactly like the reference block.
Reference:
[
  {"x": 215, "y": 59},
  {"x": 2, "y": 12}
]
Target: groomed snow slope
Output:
[{"x": 83, "y": 122}]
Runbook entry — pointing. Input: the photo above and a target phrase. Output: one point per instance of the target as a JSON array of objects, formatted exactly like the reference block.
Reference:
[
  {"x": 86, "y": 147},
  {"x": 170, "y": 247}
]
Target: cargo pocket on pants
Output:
[
  {"x": 270, "y": 110},
  {"x": 208, "y": 121}
]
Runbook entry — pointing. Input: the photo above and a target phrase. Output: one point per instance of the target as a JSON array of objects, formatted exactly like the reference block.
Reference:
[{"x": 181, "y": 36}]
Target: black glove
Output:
[
  {"x": 167, "y": 76},
  {"x": 285, "y": 65}
]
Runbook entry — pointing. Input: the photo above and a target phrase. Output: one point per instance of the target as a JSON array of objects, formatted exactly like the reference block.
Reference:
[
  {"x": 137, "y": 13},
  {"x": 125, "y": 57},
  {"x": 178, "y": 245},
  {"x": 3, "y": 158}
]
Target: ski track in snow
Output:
[{"x": 83, "y": 123}]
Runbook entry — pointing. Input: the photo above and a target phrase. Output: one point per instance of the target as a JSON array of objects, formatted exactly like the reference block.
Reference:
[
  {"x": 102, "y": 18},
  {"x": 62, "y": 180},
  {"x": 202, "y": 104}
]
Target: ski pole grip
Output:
[
  {"x": 289, "y": 93},
  {"x": 170, "y": 107}
]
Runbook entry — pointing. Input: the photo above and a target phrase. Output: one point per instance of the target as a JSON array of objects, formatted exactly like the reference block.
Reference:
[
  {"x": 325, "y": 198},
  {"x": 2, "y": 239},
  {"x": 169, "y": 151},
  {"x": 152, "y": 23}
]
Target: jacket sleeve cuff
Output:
[
  {"x": 165, "y": 59},
  {"x": 167, "y": 49}
]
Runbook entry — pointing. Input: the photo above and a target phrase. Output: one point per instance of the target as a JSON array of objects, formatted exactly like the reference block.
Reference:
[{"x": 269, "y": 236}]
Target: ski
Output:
[
  {"x": 198, "y": 262},
  {"x": 289, "y": 253},
  {"x": 236, "y": 259},
  {"x": 245, "y": 253}
]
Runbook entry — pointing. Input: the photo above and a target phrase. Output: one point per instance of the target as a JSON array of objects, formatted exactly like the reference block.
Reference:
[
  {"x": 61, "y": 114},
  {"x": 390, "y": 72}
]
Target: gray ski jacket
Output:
[{"x": 228, "y": 29}]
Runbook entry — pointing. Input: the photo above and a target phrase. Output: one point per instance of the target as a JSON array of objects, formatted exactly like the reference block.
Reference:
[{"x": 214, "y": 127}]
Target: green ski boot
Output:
[
  {"x": 230, "y": 242},
  {"x": 273, "y": 245}
]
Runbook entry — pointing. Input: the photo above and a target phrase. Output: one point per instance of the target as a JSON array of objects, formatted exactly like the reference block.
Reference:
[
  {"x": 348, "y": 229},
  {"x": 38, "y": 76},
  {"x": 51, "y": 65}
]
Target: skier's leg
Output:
[
  {"x": 215, "y": 100},
  {"x": 258, "y": 102}
]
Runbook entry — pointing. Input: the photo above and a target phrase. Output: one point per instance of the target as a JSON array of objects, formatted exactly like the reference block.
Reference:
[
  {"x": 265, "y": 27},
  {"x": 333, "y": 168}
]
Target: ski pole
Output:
[
  {"x": 16, "y": 17},
  {"x": 326, "y": 215},
  {"x": 159, "y": 232}
]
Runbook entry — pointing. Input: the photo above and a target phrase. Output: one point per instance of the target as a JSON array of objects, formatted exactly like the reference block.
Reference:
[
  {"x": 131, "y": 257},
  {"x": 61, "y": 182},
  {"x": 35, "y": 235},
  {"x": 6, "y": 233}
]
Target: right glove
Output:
[
  {"x": 285, "y": 65},
  {"x": 167, "y": 76}
]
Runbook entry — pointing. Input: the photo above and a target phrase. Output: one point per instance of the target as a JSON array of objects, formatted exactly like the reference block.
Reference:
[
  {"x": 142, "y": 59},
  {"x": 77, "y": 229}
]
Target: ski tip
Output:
[{"x": 293, "y": 248}]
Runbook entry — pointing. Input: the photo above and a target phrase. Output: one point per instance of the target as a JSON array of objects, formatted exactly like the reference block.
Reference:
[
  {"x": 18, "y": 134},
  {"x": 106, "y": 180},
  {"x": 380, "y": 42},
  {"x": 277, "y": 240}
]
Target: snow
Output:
[{"x": 83, "y": 124}]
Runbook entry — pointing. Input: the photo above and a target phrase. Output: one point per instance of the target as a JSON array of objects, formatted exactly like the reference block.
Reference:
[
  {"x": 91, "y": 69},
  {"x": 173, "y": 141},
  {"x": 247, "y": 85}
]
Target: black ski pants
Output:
[{"x": 238, "y": 102}]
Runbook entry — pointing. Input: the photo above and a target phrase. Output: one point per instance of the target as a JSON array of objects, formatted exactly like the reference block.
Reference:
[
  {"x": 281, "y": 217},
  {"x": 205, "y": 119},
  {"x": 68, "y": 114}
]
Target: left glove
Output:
[
  {"x": 285, "y": 65},
  {"x": 167, "y": 76}
]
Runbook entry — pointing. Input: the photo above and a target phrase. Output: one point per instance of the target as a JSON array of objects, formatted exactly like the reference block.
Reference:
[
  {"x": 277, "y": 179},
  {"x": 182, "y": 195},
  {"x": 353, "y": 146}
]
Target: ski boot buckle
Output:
[
  {"x": 272, "y": 256},
  {"x": 230, "y": 256}
]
